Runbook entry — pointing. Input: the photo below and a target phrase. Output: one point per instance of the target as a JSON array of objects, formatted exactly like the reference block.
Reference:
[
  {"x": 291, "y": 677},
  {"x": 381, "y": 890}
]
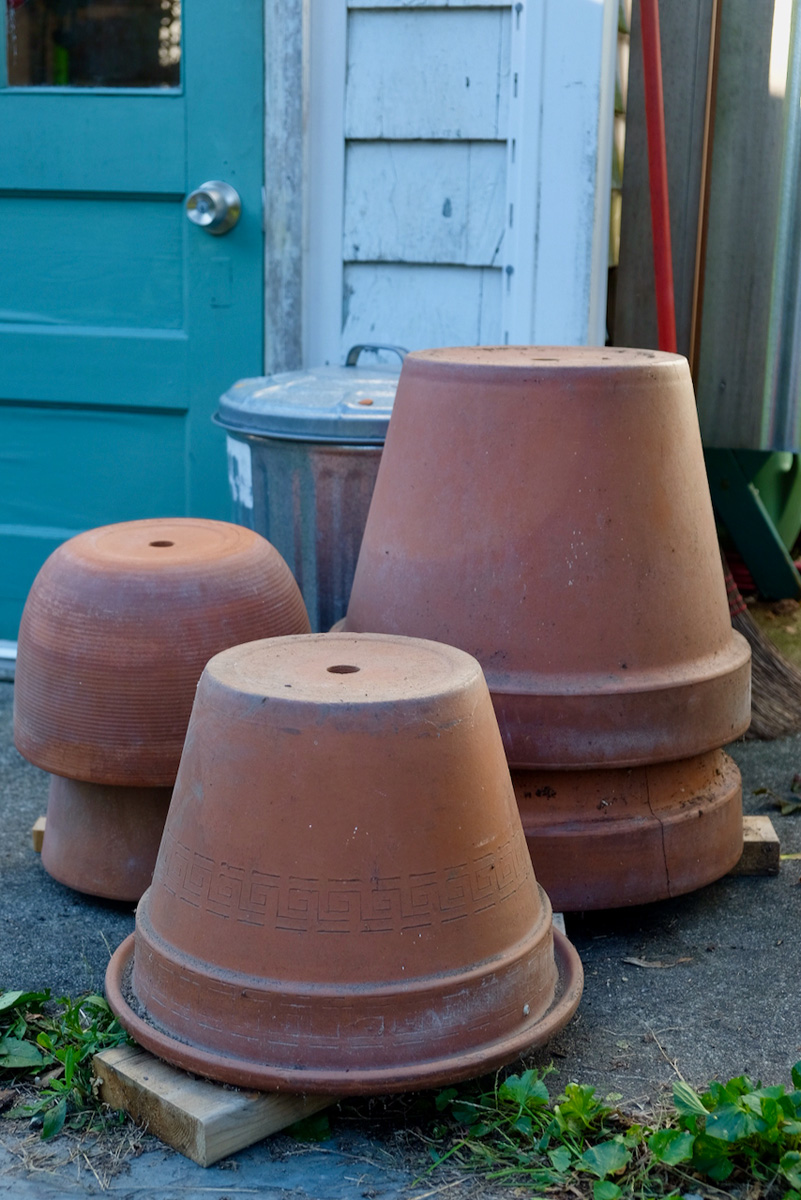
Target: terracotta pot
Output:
[
  {"x": 343, "y": 899},
  {"x": 547, "y": 510},
  {"x": 605, "y": 839},
  {"x": 118, "y": 625},
  {"x": 103, "y": 840}
]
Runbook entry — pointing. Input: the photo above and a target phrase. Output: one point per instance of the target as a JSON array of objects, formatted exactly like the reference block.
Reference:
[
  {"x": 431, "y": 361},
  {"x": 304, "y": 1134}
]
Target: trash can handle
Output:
[{"x": 355, "y": 351}]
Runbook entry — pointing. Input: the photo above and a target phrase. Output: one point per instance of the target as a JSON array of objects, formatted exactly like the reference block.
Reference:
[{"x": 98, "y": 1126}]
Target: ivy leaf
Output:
[
  {"x": 524, "y": 1089},
  {"x": 687, "y": 1101},
  {"x": 790, "y": 1167},
  {"x": 316, "y": 1128},
  {"x": 443, "y": 1099},
  {"x": 604, "y": 1189},
  {"x": 796, "y": 1074},
  {"x": 561, "y": 1159},
  {"x": 710, "y": 1157},
  {"x": 671, "y": 1146},
  {"x": 729, "y": 1124},
  {"x": 54, "y": 1119},
  {"x": 721, "y": 1170},
  {"x": 607, "y": 1158}
]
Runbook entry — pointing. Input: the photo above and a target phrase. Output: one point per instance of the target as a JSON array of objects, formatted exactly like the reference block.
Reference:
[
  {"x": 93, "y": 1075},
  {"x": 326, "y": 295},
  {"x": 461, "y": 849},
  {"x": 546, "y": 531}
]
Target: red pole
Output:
[{"x": 657, "y": 174}]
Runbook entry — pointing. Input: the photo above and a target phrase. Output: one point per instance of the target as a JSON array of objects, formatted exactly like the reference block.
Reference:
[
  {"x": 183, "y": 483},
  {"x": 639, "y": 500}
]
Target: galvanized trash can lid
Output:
[{"x": 325, "y": 404}]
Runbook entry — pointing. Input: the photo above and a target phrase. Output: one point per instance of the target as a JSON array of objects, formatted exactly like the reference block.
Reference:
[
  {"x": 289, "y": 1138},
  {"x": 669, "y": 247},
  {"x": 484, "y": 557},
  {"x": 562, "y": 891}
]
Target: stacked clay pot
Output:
[
  {"x": 117, "y": 628},
  {"x": 547, "y": 510},
  {"x": 343, "y": 899}
]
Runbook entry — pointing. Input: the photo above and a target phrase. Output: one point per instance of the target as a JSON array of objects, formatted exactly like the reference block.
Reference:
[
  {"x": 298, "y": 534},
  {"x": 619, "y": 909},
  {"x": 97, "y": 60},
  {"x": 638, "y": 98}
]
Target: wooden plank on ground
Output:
[
  {"x": 37, "y": 834},
  {"x": 761, "y": 848},
  {"x": 203, "y": 1120}
]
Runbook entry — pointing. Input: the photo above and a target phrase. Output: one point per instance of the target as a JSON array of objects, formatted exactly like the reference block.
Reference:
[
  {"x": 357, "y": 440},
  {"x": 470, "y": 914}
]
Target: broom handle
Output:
[{"x": 657, "y": 174}]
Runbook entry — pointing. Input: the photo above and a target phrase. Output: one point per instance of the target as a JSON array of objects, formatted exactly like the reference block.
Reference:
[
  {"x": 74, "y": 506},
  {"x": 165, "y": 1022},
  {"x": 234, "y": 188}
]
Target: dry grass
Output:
[
  {"x": 781, "y": 621},
  {"x": 99, "y": 1153}
]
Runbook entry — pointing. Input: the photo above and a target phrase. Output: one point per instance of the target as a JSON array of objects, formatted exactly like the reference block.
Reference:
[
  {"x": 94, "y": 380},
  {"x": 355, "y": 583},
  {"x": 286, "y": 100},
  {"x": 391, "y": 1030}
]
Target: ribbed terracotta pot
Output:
[
  {"x": 343, "y": 899},
  {"x": 103, "y": 840},
  {"x": 547, "y": 510},
  {"x": 610, "y": 838},
  {"x": 117, "y": 628}
]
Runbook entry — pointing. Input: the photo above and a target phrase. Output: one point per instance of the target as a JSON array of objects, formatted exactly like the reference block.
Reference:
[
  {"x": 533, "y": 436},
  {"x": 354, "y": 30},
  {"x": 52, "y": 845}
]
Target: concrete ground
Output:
[{"x": 720, "y": 995}]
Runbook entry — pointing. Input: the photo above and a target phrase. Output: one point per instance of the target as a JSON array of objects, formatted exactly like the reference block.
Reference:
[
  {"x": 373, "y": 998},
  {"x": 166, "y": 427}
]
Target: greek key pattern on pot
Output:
[{"x": 377, "y": 905}]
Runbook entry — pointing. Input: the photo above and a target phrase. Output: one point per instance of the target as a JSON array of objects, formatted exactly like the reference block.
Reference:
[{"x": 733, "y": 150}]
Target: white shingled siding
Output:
[{"x": 457, "y": 132}]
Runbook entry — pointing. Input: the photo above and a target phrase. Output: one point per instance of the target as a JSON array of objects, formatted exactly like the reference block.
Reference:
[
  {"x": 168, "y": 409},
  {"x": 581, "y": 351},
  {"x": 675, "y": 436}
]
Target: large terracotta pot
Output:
[
  {"x": 615, "y": 837},
  {"x": 117, "y": 628},
  {"x": 547, "y": 510},
  {"x": 343, "y": 899}
]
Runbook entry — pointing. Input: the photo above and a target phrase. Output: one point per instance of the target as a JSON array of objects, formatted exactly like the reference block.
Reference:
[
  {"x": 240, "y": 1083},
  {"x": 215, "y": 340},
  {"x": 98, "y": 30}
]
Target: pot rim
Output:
[{"x": 242, "y": 1073}]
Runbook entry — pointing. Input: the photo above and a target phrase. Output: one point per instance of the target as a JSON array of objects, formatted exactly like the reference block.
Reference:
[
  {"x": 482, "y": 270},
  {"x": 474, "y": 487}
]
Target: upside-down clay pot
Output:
[
  {"x": 116, "y": 630},
  {"x": 343, "y": 898},
  {"x": 622, "y": 836},
  {"x": 547, "y": 510},
  {"x": 103, "y": 840}
]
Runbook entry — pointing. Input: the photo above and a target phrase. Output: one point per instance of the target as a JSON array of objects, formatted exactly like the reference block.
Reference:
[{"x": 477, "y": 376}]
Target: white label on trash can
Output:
[{"x": 240, "y": 472}]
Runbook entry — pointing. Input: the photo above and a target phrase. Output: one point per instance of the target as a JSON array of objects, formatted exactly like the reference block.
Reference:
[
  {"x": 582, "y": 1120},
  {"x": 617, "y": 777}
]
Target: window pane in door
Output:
[{"x": 93, "y": 43}]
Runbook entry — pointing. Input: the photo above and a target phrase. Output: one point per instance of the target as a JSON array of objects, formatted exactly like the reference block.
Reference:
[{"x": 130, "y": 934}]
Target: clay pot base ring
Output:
[
  {"x": 570, "y": 980},
  {"x": 612, "y": 838},
  {"x": 103, "y": 840}
]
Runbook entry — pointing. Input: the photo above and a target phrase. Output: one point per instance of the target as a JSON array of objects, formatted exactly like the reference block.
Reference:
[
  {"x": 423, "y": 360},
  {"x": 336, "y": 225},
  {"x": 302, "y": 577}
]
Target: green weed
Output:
[
  {"x": 737, "y": 1134},
  {"x": 49, "y": 1046}
]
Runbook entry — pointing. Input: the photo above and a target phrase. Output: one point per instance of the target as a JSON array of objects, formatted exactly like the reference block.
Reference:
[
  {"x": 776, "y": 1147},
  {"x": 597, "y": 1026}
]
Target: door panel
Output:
[
  {"x": 88, "y": 141},
  {"x": 92, "y": 277},
  {"x": 85, "y": 365},
  {"x": 115, "y": 442},
  {"x": 120, "y": 322}
]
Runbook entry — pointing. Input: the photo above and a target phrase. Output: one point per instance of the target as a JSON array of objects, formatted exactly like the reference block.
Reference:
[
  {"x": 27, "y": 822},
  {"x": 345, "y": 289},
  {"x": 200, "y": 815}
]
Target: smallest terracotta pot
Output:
[{"x": 103, "y": 840}]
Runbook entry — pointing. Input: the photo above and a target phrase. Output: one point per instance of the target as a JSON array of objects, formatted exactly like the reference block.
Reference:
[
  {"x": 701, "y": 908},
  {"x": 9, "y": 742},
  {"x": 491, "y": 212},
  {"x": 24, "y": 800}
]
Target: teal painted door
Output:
[{"x": 120, "y": 321}]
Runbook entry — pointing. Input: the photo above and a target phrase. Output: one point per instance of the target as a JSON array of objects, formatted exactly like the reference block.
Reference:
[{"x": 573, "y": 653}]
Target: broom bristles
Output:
[{"x": 775, "y": 682}]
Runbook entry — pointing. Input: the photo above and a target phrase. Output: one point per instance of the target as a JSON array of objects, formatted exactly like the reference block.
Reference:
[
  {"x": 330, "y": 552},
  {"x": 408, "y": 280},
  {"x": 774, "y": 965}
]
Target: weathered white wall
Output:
[
  {"x": 286, "y": 27},
  {"x": 458, "y": 157}
]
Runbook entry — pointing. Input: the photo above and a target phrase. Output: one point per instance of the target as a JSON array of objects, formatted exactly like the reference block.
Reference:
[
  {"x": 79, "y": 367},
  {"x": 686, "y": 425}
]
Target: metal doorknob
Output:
[{"x": 214, "y": 206}]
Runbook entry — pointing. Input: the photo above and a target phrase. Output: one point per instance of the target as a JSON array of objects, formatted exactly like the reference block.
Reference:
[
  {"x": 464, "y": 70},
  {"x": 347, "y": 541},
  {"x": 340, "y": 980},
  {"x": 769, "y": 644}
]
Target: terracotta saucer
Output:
[{"x": 347, "y": 1080}]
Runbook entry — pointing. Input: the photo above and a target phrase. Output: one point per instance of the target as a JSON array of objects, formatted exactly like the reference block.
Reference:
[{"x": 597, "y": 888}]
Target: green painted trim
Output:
[{"x": 739, "y": 506}]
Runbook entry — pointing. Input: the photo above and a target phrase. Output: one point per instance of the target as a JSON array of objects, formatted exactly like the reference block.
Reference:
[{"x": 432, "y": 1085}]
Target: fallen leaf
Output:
[
  {"x": 7, "y": 1097},
  {"x": 786, "y": 807},
  {"x": 646, "y": 962}
]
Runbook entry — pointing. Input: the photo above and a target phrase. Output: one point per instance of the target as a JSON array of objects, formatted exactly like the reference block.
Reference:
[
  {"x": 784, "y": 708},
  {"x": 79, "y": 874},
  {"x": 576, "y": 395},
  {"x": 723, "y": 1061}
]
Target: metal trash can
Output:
[{"x": 303, "y": 454}]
